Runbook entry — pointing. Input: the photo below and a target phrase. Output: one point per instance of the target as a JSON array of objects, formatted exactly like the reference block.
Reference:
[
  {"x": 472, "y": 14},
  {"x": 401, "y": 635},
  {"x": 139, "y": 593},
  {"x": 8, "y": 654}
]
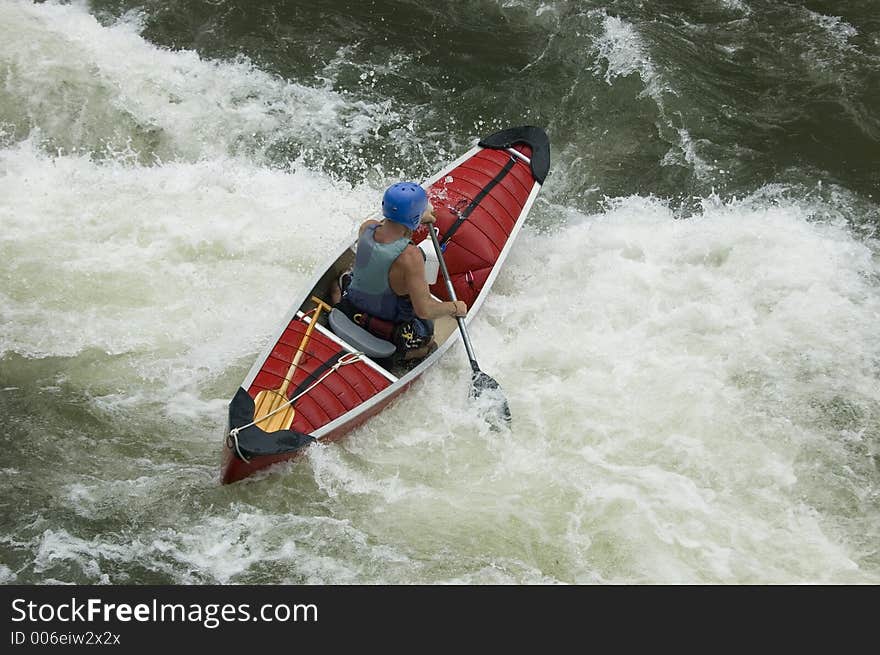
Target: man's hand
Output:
[{"x": 428, "y": 215}]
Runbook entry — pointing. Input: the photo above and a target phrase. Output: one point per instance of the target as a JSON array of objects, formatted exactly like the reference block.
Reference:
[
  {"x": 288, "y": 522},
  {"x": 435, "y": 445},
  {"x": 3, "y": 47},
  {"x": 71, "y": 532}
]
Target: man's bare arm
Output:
[{"x": 417, "y": 288}]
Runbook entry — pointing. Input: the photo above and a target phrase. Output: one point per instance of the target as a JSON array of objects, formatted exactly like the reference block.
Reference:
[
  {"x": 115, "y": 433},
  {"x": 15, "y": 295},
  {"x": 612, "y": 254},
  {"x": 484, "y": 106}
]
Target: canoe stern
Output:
[{"x": 249, "y": 448}]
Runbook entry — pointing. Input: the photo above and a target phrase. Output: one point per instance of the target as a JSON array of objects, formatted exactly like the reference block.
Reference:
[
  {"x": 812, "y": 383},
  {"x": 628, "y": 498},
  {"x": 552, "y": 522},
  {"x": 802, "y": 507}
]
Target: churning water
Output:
[{"x": 686, "y": 330}]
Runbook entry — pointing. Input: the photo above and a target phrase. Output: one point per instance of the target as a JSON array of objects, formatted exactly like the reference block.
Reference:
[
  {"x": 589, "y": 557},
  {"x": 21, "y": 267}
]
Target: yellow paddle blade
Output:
[{"x": 267, "y": 402}]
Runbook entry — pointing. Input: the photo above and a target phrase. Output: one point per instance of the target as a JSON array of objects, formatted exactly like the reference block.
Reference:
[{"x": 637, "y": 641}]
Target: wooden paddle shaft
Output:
[{"x": 320, "y": 305}]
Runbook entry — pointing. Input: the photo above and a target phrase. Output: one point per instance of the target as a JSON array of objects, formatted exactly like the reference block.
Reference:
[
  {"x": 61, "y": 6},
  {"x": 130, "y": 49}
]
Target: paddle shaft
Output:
[
  {"x": 461, "y": 325},
  {"x": 302, "y": 345}
]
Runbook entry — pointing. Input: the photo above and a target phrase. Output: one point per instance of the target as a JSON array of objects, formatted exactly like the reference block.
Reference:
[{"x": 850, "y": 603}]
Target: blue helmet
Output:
[{"x": 404, "y": 203}]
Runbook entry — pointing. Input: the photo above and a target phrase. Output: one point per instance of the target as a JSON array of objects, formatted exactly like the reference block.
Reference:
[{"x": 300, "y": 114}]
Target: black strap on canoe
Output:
[
  {"x": 462, "y": 217},
  {"x": 314, "y": 375}
]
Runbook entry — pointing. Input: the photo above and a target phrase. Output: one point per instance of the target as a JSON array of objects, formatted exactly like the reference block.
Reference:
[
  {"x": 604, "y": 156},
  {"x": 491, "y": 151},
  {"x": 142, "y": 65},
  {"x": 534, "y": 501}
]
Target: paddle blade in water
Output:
[{"x": 489, "y": 392}]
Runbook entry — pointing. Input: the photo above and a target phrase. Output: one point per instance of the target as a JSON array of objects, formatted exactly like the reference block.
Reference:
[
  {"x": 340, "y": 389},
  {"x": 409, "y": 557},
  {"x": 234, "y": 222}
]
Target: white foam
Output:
[
  {"x": 624, "y": 53},
  {"x": 334, "y": 476},
  {"x": 837, "y": 29},
  {"x": 736, "y": 5},
  {"x": 183, "y": 267},
  {"x": 218, "y": 549},
  {"x": 663, "y": 386},
  {"x": 94, "y": 87},
  {"x": 674, "y": 377}
]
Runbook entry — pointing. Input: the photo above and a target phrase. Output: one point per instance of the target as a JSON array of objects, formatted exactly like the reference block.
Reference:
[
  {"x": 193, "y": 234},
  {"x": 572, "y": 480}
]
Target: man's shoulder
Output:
[
  {"x": 367, "y": 223},
  {"x": 411, "y": 257}
]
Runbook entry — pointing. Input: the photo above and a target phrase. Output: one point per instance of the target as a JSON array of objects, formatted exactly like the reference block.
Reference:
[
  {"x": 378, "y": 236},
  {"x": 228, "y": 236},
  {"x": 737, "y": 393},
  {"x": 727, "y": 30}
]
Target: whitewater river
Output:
[{"x": 687, "y": 329}]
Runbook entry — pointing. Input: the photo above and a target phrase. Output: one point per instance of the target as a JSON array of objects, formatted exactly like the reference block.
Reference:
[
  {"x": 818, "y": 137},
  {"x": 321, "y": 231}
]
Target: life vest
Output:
[{"x": 370, "y": 290}]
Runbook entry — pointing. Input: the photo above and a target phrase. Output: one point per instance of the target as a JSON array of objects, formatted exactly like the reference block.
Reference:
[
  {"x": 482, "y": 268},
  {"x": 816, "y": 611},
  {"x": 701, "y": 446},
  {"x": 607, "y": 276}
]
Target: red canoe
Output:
[{"x": 344, "y": 375}]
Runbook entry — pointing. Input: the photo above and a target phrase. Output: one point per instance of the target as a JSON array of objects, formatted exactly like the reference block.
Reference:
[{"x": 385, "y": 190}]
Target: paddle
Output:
[
  {"x": 276, "y": 402},
  {"x": 480, "y": 382}
]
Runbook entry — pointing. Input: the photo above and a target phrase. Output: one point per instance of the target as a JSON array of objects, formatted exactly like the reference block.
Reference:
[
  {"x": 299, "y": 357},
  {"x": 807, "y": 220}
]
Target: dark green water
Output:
[
  {"x": 687, "y": 329},
  {"x": 766, "y": 92}
]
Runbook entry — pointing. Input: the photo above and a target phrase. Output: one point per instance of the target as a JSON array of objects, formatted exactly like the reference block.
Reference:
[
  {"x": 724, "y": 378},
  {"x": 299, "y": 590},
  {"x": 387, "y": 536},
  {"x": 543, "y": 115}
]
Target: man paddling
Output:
[{"x": 387, "y": 292}]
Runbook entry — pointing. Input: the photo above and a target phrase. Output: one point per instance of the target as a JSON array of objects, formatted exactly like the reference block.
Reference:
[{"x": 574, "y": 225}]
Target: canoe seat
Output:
[{"x": 354, "y": 334}]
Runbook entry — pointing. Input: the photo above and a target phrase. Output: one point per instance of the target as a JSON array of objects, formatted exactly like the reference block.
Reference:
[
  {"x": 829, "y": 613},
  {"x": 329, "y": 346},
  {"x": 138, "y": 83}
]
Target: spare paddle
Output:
[
  {"x": 273, "y": 410},
  {"x": 480, "y": 382}
]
